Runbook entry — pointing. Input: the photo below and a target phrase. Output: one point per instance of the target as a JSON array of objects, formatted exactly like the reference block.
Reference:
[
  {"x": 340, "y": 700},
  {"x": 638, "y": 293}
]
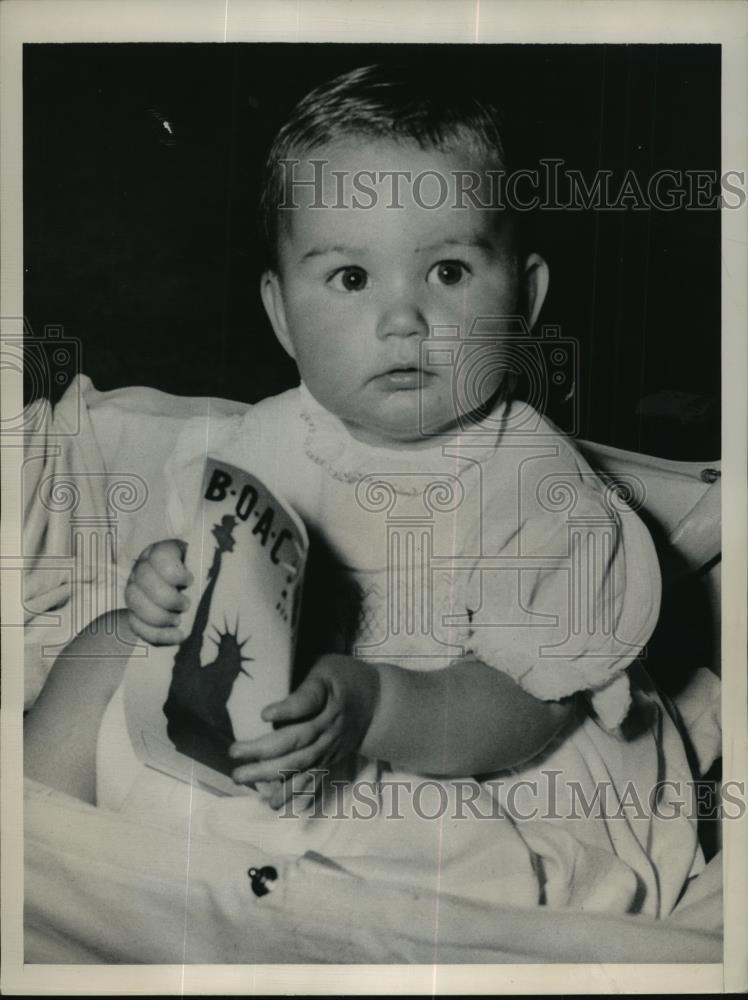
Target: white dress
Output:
[{"x": 501, "y": 543}]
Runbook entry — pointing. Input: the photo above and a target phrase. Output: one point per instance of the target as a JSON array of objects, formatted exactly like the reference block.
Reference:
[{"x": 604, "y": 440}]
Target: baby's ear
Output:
[
  {"x": 272, "y": 298},
  {"x": 535, "y": 280}
]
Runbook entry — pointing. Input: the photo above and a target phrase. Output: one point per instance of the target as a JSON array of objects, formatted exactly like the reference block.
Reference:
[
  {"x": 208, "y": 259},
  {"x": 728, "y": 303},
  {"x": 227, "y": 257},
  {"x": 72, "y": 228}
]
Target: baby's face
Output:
[{"x": 361, "y": 290}]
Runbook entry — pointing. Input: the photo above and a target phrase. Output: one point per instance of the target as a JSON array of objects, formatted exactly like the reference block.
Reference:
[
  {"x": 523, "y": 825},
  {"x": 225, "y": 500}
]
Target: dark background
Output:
[{"x": 142, "y": 244}]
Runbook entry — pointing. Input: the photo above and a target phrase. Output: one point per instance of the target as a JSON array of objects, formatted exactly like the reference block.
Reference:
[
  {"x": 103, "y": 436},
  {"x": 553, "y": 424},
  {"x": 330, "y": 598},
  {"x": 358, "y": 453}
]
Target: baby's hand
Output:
[
  {"x": 324, "y": 719},
  {"x": 153, "y": 595}
]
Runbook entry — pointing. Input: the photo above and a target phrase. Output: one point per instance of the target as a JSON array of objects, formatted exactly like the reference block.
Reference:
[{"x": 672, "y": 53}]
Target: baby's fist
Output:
[{"x": 154, "y": 595}]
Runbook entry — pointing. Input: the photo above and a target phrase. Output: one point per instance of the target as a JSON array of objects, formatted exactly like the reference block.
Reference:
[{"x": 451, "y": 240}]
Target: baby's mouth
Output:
[{"x": 405, "y": 377}]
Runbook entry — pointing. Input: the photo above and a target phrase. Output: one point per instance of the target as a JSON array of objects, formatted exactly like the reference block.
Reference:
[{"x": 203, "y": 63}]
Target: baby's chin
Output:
[
  {"x": 412, "y": 419},
  {"x": 417, "y": 432}
]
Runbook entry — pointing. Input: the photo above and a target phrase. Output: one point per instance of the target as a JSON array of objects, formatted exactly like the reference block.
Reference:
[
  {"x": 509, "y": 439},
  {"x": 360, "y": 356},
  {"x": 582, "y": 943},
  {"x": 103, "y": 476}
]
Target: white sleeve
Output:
[{"x": 571, "y": 607}]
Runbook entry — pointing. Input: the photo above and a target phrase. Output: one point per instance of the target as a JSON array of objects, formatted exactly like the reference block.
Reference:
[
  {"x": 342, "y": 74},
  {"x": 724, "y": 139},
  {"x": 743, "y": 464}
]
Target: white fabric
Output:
[
  {"x": 700, "y": 709},
  {"x": 117, "y": 891},
  {"x": 492, "y": 496},
  {"x": 633, "y": 863},
  {"x": 91, "y": 479}
]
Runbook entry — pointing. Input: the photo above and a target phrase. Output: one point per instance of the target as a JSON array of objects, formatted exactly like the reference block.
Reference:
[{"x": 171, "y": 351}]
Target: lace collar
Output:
[{"x": 330, "y": 444}]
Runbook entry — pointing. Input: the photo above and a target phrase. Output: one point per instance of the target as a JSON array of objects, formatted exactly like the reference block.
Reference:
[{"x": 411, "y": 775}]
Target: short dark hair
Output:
[{"x": 400, "y": 104}]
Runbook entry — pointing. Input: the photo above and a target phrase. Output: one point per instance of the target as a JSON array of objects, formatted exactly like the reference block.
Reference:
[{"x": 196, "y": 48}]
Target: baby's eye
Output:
[
  {"x": 447, "y": 272},
  {"x": 349, "y": 279}
]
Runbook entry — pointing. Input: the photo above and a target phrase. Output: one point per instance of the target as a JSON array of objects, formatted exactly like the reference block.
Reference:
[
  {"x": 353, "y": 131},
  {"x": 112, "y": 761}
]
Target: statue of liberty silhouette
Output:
[{"x": 199, "y": 724}]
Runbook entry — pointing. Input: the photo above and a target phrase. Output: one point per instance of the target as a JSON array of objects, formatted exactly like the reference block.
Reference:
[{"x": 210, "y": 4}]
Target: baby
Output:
[
  {"x": 493, "y": 629},
  {"x": 353, "y": 293}
]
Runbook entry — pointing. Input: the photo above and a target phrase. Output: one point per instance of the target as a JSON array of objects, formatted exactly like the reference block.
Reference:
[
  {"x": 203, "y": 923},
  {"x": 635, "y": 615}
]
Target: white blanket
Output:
[{"x": 100, "y": 889}]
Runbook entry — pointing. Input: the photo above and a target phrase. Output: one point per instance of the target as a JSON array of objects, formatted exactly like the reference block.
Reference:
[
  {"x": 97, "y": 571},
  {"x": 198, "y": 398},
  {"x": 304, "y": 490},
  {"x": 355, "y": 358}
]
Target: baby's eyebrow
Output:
[
  {"x": 333, "y": 248},
  {"x": 482, "y": 243},
  {"x": 479, "y": 242}
]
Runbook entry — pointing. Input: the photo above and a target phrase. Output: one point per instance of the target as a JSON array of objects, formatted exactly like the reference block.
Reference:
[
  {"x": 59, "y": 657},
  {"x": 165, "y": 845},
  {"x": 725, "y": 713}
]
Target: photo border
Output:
[{"x": 476, "y": 21}]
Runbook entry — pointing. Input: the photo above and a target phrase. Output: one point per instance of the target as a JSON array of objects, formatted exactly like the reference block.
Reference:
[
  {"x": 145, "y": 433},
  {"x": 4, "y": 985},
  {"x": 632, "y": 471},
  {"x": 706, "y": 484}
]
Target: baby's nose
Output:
[{"x": 402, "y": 319}]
